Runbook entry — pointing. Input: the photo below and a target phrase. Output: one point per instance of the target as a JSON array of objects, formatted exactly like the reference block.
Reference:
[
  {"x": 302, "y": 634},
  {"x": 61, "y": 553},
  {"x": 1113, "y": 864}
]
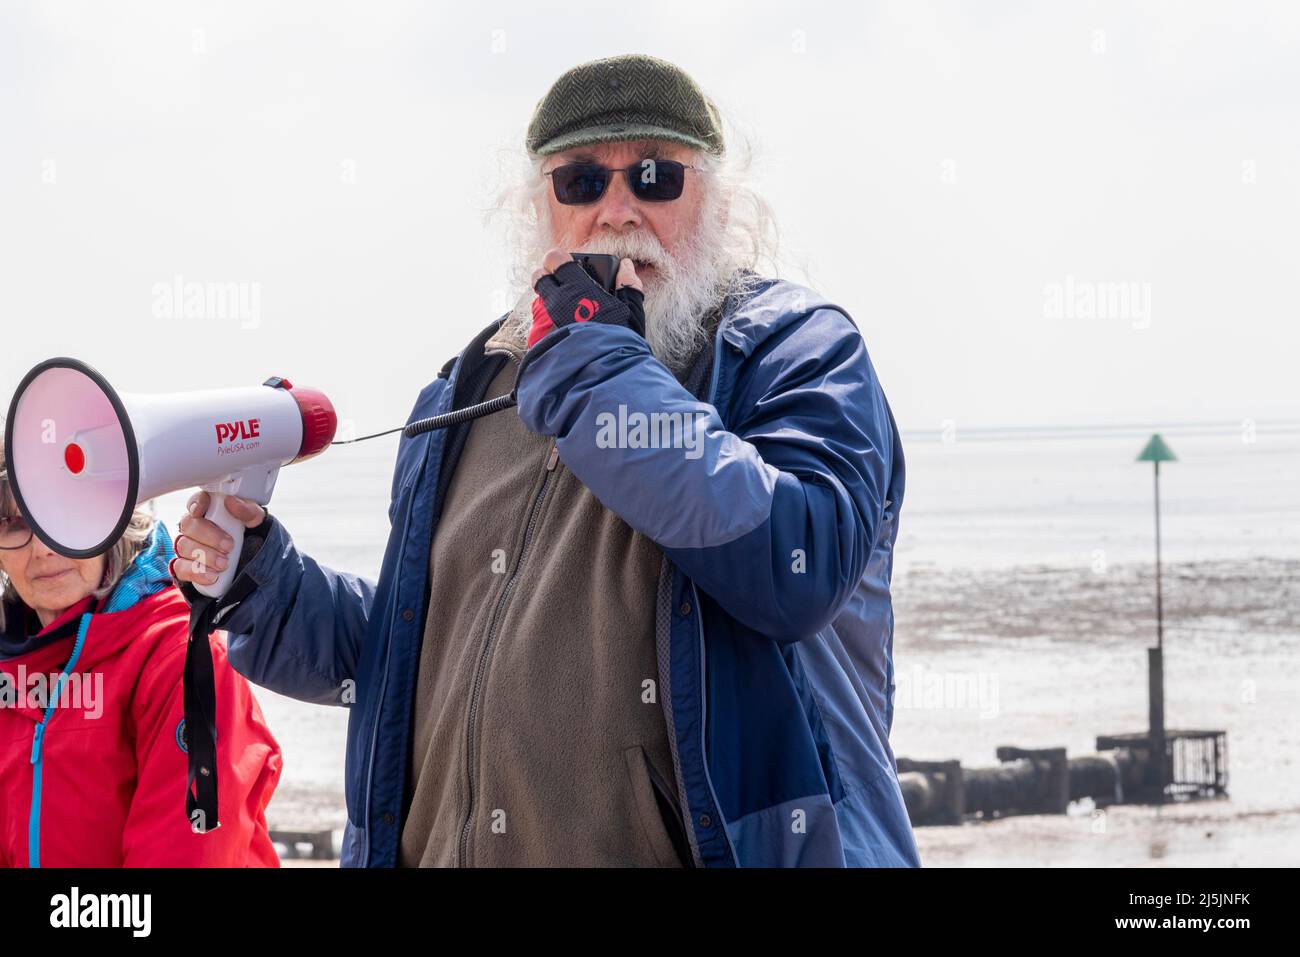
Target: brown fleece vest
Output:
[{"x": 538, "y": 730}]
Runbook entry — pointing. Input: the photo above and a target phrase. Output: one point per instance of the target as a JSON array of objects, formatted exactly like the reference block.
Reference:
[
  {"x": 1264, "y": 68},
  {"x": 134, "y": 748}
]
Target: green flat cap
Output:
[{"x": 630, "y": 97}]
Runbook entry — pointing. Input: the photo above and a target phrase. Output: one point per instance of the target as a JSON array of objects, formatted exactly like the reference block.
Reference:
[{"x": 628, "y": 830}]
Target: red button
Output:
[{"x": 74, "y": 458}]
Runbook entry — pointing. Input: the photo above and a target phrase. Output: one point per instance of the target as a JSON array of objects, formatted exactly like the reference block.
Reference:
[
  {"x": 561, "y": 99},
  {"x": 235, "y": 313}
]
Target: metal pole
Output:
[
  {"x": 1156, "y": 669},
  {"x": 1160, "y": 616}
]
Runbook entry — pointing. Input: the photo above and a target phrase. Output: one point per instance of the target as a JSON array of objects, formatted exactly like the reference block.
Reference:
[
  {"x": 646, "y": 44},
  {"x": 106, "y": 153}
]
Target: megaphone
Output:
[{"x": 81, "y": 456}]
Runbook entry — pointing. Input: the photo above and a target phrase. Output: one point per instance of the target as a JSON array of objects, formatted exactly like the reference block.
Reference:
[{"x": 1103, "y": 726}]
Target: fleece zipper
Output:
[
  {"x": 38, "y": 742},
  {"x": 485, "y": 654}
]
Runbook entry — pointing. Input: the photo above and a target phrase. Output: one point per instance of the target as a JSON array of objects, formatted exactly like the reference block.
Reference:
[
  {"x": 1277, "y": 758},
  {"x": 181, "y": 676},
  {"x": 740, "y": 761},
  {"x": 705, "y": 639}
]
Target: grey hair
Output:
[{"x": 118, "y": 559}]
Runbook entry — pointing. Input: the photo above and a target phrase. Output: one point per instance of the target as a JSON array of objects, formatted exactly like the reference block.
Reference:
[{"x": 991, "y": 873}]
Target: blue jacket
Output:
[{"x": 775, "y": 639}]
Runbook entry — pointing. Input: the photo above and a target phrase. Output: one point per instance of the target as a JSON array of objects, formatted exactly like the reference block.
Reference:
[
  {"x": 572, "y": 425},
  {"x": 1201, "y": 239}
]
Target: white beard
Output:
[{"x": 684, "y": 289}]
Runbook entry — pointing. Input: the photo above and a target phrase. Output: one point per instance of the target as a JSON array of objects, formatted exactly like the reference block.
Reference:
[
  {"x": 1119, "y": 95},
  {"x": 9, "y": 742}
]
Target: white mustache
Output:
[{"x": 639, "y": 246}]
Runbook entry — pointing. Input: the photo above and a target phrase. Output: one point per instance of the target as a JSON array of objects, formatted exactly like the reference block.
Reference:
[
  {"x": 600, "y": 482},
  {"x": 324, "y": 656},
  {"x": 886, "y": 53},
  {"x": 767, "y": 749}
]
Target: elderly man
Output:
[{"x": 645, "y": 618}]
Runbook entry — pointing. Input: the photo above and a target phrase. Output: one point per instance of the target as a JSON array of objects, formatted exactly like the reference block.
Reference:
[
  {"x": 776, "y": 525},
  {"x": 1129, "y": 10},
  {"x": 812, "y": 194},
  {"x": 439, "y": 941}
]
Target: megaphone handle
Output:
[{"x": 220, "y": 515}]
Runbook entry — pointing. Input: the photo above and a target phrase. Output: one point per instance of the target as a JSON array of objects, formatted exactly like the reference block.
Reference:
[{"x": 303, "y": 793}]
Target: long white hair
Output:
[{"x": 734, "y": 244}]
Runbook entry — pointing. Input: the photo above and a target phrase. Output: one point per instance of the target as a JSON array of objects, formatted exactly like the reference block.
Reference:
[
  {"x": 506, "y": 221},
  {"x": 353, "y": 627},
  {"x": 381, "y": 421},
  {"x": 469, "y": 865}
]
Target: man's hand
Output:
[
  {"x": 567, "y": 294},
  {"x": 202, "y": 548}
]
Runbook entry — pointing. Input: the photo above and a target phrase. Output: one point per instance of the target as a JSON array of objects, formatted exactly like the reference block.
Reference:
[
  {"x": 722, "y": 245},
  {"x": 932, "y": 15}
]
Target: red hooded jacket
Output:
[{"x": 102, "y": 782}]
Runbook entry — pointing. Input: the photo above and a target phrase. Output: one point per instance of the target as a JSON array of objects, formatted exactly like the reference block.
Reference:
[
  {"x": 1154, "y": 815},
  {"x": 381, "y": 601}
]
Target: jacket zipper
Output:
[
  {"x": 714, "y": 378},
  {"x": 379, "y": 704},
  {"x": 370, "y": 761},
  {"x": 485, "y": 655},
  {"x": 38, "y": 747}
]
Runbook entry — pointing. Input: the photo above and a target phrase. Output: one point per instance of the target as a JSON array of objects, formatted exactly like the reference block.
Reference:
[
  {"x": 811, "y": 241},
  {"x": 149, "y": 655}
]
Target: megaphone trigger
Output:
[
  {"x": 219, "y": 515},
  {"x": 256, "y": 485}
]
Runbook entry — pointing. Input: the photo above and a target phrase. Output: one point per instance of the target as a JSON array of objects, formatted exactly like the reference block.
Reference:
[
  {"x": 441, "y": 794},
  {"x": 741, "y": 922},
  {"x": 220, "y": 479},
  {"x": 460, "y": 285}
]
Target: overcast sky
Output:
[{"x": 964, "y": 178}]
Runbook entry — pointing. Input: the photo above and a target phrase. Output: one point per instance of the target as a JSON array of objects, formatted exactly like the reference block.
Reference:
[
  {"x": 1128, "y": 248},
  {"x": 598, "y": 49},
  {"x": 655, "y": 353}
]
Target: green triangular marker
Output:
[{"x": 1157, "y": 451}]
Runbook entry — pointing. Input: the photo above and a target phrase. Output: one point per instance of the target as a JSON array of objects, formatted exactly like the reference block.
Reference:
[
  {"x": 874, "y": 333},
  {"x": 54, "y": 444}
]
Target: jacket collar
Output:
[
  {"x": 147, "y": 575},
  {"x": 23, "y": 632},
  {"x": 769, "y": 306}
]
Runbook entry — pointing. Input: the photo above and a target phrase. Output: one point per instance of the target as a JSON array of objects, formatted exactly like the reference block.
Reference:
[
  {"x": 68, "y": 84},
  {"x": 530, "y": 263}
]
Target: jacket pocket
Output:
[{"x": 656, "y": 809}]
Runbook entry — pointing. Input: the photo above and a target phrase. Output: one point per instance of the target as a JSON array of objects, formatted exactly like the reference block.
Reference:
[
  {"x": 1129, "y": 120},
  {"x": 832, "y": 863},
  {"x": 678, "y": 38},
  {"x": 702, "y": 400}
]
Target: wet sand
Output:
[{"x": 1050, "y": 657}]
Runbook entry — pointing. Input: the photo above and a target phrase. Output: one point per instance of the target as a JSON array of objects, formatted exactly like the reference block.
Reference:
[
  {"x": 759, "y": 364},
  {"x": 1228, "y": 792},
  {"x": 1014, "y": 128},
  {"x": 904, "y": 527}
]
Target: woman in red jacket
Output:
[{"x": 92, "y": 739}]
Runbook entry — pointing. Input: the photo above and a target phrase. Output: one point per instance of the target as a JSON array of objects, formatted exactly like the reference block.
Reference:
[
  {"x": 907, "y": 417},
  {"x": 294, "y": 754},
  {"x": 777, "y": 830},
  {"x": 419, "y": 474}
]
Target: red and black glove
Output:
[{"x": 570, "y": 295}]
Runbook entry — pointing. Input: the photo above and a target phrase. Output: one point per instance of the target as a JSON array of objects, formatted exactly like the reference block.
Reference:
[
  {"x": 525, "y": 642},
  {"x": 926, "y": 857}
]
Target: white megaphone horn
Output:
[{"x": 81, "y": 456}]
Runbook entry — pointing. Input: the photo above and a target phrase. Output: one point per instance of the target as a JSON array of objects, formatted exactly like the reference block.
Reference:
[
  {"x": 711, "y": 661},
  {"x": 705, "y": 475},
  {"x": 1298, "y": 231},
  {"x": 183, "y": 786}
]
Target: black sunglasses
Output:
[{"x": 658, "y": 181}]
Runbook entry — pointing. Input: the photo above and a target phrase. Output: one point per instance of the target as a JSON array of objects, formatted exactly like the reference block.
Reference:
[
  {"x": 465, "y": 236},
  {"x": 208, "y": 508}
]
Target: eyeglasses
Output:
[
  {"x": 15, "y": 533},
  {"x": 658, "y": 181}
]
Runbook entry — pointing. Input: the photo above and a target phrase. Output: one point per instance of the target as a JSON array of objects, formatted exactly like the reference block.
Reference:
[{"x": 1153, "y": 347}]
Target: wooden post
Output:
[{"x": 1156, "y": 692}]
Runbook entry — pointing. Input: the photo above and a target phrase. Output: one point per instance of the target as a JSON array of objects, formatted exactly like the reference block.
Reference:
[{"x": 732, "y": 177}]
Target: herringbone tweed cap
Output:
[{"x": 628, "y": 97}]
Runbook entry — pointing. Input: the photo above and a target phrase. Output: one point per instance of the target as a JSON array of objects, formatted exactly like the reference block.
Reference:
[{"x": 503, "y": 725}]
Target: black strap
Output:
[
  {"x": 200, "y": 692},
  {"x": 201, "y": 720}
]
